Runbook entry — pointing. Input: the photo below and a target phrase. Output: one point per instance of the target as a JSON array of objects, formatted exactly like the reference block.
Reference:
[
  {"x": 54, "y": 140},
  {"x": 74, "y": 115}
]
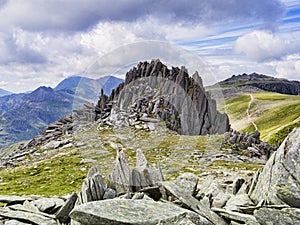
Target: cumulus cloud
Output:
[
  {"x": 42, "y": 42},
  {"x": 288, "y": 67},
  {"x": 262, "y": 45}
]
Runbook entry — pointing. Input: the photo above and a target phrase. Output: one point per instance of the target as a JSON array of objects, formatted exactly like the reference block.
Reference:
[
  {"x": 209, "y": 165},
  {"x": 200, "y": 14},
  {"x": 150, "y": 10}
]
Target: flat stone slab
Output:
[
  {"x": 133, "y": 212},
  {"x": 13, "y": 199},
  {"x": 14, "y": 222},
  {"x": 26, "y": 216}
]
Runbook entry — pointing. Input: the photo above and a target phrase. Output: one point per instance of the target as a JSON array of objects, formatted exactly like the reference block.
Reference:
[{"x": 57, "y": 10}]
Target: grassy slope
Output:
[
  {"x": 58, "y": 172},
  {"x": 275, "y": 114}
]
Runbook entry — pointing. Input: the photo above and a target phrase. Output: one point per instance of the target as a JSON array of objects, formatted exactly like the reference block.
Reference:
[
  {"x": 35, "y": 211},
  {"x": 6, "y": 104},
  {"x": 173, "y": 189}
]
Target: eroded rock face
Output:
[
  {"x": 269, "y": 216},
  {"x": 153, "y": 91},
  {"x": 127, "y": 211},
  {"x": 279, "y": 181}
]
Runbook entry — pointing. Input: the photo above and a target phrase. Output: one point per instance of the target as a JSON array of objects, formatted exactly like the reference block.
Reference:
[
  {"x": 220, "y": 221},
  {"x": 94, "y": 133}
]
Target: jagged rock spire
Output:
[{"x": 169, "y": 95}]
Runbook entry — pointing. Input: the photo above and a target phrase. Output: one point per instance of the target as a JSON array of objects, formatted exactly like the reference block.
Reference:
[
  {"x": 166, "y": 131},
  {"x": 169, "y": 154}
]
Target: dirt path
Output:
[{"x": 248, "y": 111}]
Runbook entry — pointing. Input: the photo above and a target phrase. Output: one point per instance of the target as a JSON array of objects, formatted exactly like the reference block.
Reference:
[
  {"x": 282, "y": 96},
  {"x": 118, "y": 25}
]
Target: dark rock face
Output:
[
  {"x": 152, "y": 90},
  {"x": 263, "y": 82}
]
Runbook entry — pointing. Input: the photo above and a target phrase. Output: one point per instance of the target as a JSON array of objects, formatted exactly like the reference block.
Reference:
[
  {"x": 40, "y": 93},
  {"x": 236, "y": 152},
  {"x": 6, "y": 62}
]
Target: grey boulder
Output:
[
  {"x": 279, "y": 181},
  {"x": 270, "y": 216},
  {"x": 132, "y": 212}
]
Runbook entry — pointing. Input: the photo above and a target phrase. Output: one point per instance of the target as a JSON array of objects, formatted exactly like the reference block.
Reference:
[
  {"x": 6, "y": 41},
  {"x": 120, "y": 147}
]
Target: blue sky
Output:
[{"x": 43, "y": 42}]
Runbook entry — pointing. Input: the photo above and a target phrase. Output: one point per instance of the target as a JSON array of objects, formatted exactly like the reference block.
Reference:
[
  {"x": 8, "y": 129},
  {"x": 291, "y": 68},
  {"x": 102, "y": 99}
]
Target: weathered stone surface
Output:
[
  {"x": 48, "y": 205},
  {"x": 220, "y": 200},
  {"x": 245, "y": 218},
  {"x": 26, "y": 216},
  {"x": 14, "y": 222},
  {"x": 13, "y": 199},
  {"x": 63, "y": 214},
  {"x": 192, "y": 203},
  {"x": 279, "y": 181},
  {"x": 120, "y": 177},
  {"x": 236, "y": 201},
  {"x": 249, "y": 144},
  {"x": 93, "y": 187},
  {"x": 30, "y": 209},
  {"x": 121, "y": 211},
  {"x": 109, "y": 194},
  {"x": 209, "y": 187},
  {"x": 143, "y": 175},
  {"x": 269, "y": 216},
  {"x": 188, "y": 182}
]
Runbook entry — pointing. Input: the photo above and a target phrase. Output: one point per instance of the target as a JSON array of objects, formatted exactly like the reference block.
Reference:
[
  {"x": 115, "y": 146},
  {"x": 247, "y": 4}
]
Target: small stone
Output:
[{"x": 109, "y": 194}]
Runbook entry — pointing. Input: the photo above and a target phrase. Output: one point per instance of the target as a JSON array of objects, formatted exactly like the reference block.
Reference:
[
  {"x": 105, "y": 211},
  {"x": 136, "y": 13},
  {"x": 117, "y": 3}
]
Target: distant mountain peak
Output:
[
  {"x": 263, "y": 82},
  {"x": 4, "y": 92}
]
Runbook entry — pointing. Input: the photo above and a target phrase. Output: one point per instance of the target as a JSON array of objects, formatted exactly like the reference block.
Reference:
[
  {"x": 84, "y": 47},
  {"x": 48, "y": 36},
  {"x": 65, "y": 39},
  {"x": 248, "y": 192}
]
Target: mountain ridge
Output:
[
  {"x": 4, "y": 92},
  {"x": 23, "y": 116},
  {"x": 263, "y": 82}
]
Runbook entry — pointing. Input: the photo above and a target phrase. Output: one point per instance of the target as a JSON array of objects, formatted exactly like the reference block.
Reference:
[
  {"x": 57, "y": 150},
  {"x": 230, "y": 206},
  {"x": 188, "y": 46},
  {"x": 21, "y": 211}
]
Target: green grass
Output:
[
  {"x": 236, "y": 107},
  {"x": 277, "y": 138},
  {"x": 57, "y": 176},
  {"x": 275, "y": 114},
  {"x": 236, "y": 165},
  {"x": 59, "y": 172}
]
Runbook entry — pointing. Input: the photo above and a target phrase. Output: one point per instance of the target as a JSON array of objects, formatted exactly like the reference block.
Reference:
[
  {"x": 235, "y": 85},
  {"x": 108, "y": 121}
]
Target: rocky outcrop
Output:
[
  {"x": 279, "y": 181},
  {"x": 49, "y": 138},
  {"x": 153, "y": 92},
  {"x": 248, "y": 144}
]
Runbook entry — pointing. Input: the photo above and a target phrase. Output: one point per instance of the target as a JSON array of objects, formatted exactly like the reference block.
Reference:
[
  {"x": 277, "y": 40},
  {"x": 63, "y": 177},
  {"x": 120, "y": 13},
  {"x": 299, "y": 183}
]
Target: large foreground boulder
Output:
[
  {"x": 279, "y": 181},
  {"x": 134, "y": 212}
]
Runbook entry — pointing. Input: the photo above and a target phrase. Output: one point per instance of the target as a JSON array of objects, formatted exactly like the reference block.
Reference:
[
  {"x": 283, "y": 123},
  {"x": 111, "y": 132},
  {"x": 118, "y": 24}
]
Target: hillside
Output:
[
  {"x": 257, "y": 101},
  {"x": 274, "y": 115},
  {"x": 23, "y": 116},
  {"x": 263, "y": 82}
]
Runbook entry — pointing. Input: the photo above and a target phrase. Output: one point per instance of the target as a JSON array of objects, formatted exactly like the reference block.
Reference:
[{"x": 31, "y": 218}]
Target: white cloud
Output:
[
  {"x": 42, "y": 42},
  {"x": 263, "y": 46},
  {"x": 225, "y": 66},
  {"x": 288, "y": 67}
]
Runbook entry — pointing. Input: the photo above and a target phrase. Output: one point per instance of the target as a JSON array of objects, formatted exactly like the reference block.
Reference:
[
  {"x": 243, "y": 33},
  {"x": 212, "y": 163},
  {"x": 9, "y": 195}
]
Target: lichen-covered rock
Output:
[
  {"x": 26, "y": 216},
  {"x": 279, "y": 181},
  {"x": 93, "y": 187},
  {"x": 269, "y": 216},
  {"x": 119, "y": 179},
  {"x": 188, "y": 182},
  {"x": 13, "y": 199},
  {"x": 143, "y": 175},
  {"x": 133, "y": 212}
]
